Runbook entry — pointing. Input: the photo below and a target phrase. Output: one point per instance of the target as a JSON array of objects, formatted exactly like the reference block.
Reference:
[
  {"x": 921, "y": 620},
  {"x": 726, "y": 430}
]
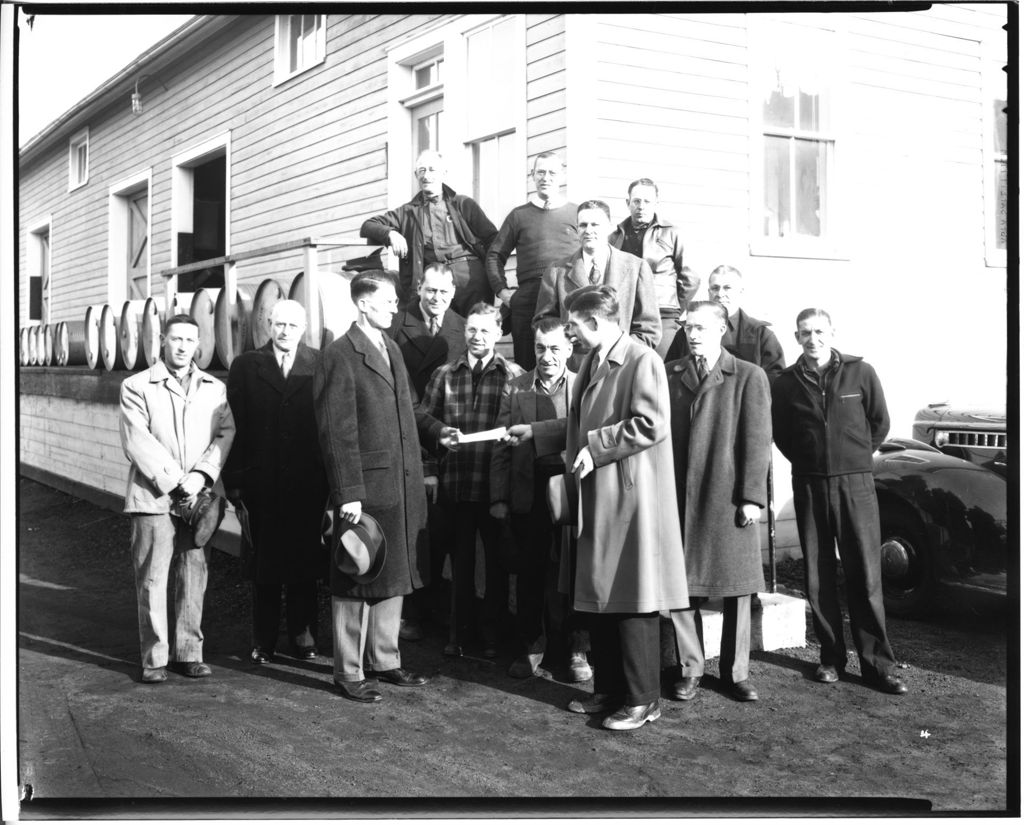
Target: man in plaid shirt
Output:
[{"x": 467, "y": 393}]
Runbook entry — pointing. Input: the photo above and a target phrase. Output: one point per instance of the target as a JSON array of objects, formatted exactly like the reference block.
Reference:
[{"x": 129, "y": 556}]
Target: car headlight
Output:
[{"x": 941, "y": 438}]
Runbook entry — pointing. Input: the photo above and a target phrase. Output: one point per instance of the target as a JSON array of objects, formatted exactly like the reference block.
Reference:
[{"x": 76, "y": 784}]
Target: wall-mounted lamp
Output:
[{"x": 137, "y": 98}]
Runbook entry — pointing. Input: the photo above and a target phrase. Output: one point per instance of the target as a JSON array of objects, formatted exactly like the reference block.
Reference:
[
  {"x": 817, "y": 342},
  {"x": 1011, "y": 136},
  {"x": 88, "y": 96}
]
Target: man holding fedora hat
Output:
[{"x": 368, "y": 435}]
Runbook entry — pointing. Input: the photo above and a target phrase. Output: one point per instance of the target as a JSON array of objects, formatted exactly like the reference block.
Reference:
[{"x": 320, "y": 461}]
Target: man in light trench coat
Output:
[
  {"x": 629, "y": 555},
  {"x": 721, "y": 437}
]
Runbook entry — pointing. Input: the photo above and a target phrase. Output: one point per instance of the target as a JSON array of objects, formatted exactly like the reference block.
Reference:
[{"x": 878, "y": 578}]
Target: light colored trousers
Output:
[
  {"x": 365, "y": 630},
  {"x": 162, "y": 549},
  {"x": 734, "y": 661}
]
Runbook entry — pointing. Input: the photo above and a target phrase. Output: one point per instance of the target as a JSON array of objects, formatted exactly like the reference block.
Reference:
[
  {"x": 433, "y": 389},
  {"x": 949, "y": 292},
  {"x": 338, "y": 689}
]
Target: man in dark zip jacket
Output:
[{"x": 828, "y": 417}]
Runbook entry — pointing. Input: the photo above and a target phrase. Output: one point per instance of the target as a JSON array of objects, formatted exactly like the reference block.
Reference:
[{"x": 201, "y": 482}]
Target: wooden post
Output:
[{"x": 312, "y": 281}]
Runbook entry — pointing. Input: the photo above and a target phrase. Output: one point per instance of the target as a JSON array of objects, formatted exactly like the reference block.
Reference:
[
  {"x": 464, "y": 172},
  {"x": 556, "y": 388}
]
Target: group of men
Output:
[{"x": 420, "y": 440}]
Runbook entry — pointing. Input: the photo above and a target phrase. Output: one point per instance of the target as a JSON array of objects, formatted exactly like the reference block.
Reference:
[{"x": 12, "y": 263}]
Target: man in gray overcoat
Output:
[
  {"x": 368, "y": 434},
  {"x": 629, "y": 559},
  {"x": 721, "y": 437}
]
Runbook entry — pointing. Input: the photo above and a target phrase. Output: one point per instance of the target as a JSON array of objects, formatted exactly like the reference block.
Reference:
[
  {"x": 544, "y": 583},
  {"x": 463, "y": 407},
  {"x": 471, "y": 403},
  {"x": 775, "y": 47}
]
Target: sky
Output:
[{"x": 92, "y": 48}]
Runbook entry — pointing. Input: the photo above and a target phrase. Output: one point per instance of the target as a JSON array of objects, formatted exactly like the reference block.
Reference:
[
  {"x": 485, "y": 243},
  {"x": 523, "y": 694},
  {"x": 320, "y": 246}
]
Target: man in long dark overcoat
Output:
[
  {"x": 430, "y": 333},
  {"x": 721, "y": 437},
  {"x": 369, "y": 437},
  {"x": 276, "y": 471}
]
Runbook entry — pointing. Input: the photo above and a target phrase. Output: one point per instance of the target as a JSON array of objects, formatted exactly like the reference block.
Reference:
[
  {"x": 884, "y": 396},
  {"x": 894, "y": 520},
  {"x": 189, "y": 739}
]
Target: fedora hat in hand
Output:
[
  {"x": 203, "y": 513},
  {"x": 359, "y": 549}
]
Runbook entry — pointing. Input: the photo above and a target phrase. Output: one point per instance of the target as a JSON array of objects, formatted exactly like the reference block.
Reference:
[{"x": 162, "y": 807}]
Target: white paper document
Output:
[{"x": 486, "y": 435}]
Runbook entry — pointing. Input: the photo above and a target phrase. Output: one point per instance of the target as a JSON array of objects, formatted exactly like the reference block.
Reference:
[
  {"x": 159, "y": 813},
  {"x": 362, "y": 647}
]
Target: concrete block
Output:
[{"x": 777, "y": 621}]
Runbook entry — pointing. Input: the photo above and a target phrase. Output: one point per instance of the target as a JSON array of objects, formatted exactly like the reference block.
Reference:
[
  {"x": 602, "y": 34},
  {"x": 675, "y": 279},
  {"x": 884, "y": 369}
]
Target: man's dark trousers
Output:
[
  {"x": 537, "y": 578},
  {"x": 522, "y": 308},
  {"x": 626, "y": 656},
  {"x": 844, "y": 509},
  {"x": 469, "y": 517},
  {"x": 300, "y": 611}
]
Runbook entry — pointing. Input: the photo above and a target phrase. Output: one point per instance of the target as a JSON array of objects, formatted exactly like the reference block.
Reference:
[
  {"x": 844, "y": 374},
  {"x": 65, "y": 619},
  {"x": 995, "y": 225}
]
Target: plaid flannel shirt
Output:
[{"x": 465, "y": 472}]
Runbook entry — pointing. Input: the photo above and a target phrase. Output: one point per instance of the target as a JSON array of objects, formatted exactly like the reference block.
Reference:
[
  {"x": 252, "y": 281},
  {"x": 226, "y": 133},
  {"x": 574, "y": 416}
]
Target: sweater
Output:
[{"x": 539, "y": 236}]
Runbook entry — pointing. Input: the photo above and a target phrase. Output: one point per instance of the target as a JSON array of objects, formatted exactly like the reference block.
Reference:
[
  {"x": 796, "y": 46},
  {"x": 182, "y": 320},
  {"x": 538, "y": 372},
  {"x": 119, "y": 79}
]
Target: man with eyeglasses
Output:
[
  {"x": 541, "y": 231},
  {"x": 651, "y": 237},
  {"x": 437, "y": 226}
]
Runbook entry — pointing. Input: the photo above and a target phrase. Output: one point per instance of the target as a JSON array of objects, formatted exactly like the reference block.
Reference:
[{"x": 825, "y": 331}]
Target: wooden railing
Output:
[{"x": 309, "y": 247}]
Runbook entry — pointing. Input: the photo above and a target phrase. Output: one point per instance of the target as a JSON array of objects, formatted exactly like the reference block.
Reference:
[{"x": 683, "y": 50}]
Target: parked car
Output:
[
  {"x": 943, "y": 525},
  {"x": 977, "y": 435}
]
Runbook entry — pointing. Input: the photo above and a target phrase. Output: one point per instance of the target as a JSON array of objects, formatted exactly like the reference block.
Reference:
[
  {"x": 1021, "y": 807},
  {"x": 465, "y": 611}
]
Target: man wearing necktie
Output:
[
  {"x": 650, "y": 236},
  {"x": 721, "y": 437},
  {"x": 597, "y": 263},
  {"x": 629, "y": 553},
  {"x": 276, "y": 471},
  {"x": 745, "y": 336},
  {"x": 467, "y": 394},
  {"x": 430, "y": 333},
  {"x": 370, "y": 437},
  {"x": 437, "y": 226}
]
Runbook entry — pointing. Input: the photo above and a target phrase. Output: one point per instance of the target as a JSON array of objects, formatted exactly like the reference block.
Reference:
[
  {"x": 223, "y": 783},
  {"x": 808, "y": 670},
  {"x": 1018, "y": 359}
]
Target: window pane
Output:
[
  {"x": 427, "y": 133},
  {"x": 778, "y": 109},
  {"x": 1000, "y": 204},
  {"x": 776, "y": 187},
  {"x": 810, "y": 115},
  {"x": 497, "y": 184},
  {"x": 423, "y": 75},
  {"x": 810, "y": 181},
  {"x": 294, "y": 32},
  {"x": 491, "y": 83}
]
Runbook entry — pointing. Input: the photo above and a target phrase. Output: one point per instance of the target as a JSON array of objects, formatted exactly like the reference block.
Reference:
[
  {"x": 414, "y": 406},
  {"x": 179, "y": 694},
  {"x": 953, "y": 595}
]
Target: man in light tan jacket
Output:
[{"x": 176, "y": 430}]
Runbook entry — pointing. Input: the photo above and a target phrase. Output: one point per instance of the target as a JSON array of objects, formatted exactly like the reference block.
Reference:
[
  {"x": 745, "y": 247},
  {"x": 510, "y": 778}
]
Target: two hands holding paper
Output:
[{"x": 514, "y": 435}]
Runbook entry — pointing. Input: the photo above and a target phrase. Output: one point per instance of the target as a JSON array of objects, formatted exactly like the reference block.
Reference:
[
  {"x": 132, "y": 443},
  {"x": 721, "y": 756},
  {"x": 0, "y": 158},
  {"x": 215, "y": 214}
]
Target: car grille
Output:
[{"x": 995, "y": 441}]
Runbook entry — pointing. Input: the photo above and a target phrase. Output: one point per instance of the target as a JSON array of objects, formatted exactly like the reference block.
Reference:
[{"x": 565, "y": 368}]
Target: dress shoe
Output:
[
  {"x": 632, "y": 717},
  {"x": 194, "y": 670},
  {"x": 153, "y": 675},
  {"x": 364, "y": 691},
  {"x": 890, "y": 683},
  {"x": 686, "y": 688},
  {"x": 579, "y": 668},
  {"x": 400, "y": 676},
  {"x": 743, "y": 691},
  {"x": 304, "y": 653},
  {"x": 827, "y": 674},
  {"x": 525, "y": 666},
  {"x": 260, "y": 656},
  {"x": 597, "y": 703},
  {"x": 452, "y": 649},
  {"x": 410, "y": 631}
]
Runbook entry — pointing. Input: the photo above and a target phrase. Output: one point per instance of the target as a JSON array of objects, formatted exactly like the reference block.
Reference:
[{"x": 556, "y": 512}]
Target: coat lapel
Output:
[
  {"x": 373, "y": 357},
  {"x": 301, "y": 371},
  {"x": 268, "y": 369},
  {"x": 576, "y": 276}
]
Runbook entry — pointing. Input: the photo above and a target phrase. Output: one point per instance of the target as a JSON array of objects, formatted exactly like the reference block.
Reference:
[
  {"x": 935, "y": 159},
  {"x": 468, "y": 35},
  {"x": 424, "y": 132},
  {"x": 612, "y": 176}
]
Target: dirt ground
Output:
[{"x": 91, "y": 734}]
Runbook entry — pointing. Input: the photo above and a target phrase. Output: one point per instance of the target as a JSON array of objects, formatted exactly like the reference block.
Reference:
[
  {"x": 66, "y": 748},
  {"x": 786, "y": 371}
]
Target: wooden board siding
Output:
[
  {"x": 307, "y": 156},
  {"x": 545, "y": 84}
]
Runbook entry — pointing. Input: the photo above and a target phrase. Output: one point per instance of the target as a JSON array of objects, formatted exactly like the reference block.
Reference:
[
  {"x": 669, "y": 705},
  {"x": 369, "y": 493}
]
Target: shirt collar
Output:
[
  {"x": 538, "y": 384},
  {"x": 553, "y": 203},
  {"x": 472, "y": 360},
  {"x": 600, "y": 257}
]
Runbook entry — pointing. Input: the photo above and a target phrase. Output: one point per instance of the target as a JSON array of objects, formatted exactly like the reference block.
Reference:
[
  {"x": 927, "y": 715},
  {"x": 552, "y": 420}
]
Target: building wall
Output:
[
  {"x": 665, "y": 96},
  {"x": 673, "y": 103}
]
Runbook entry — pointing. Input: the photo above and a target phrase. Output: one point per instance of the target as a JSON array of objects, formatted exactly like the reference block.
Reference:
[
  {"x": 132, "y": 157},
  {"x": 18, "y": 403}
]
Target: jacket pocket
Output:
[
  {"x": 626, "y": 472},
  {"x": 379, "y": 479}
]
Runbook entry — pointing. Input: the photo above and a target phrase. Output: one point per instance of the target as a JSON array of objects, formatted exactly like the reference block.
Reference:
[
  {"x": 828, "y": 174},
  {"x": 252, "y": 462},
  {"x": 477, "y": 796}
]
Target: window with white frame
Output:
[
  {"x": 491, "y": 133},
  {"x": 794, "y": 191},
  {"x": 301, "y": 43},
  {"x": 459, "y": 89},
  {"x": 78, "y": 160}
]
